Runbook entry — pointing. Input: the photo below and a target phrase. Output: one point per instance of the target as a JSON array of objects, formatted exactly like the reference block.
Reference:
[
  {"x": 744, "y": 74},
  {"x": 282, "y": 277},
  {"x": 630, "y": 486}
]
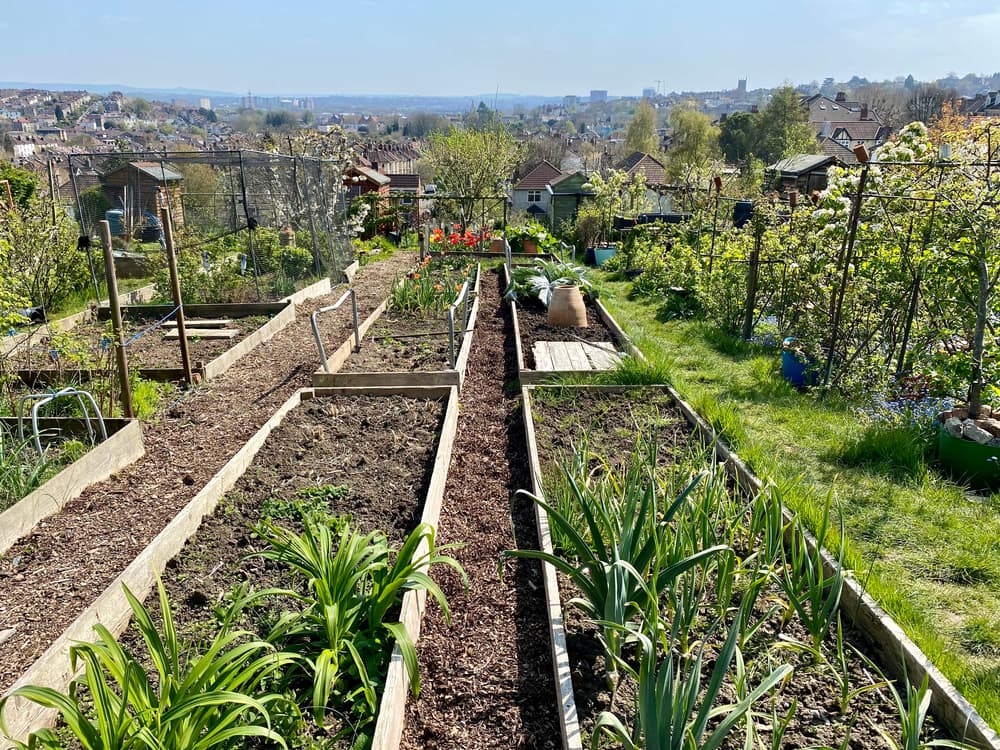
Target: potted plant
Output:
[
  {"x": 530, "y": 238},
  {"x": 559, "y": 287}
]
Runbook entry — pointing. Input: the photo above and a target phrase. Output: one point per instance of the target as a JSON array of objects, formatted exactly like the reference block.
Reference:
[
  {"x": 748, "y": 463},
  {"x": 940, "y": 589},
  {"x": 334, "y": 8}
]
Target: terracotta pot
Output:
[
  {"x": 496, "y": 245},
  {"x": 566, "y": 308},
  {"x": 530, "y": 246}
]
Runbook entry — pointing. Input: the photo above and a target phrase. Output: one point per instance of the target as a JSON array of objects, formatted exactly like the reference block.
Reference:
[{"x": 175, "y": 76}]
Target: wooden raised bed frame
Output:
[
  {"x": 123, "y": 446},
  {"x": 528, "y": 377},
  {"x": 111, "y": 609},
  {"x": 456, "y": 377},
  {"x": 888, "y": 640}
]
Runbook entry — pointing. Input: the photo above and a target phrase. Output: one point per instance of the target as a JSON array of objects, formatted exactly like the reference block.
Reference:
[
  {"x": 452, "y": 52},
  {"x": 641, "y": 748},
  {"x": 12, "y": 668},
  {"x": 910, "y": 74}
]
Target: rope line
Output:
[{"x": 153, "y": 327}]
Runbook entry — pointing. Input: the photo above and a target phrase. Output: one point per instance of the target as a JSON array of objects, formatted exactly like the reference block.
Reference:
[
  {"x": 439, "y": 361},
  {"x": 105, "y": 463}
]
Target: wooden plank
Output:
[
  {"x": 378, "y": 379},
  {"x": 518, "y": 345},
  {"x": 317, "y": 289},
  {"x": 569, "y": 723},
  {"x": 462, "y": 360},
  {"x": 602, "y": 355},
  {"x": 228, "y": 310},
  {"x": 200, "y": 323},
  {"x": 99, "y": 463},
  {"x": 618, "y": 331},
  {"x": 203, "y": 333},
  {"x": 336, "y": 360},
  {"x": 543, "y": 359},
  {"x": 392, "y": 709},
  {"x": 561, "y": 361},
  {"x": 577, "y": 357},
  {"x": 52, "y": 668}
]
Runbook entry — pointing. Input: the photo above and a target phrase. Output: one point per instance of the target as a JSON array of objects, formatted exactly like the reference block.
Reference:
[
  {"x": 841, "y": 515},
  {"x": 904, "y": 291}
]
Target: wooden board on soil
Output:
[
  {"x": 612, "y": 419},
  {"x": 376, "y": 457}
]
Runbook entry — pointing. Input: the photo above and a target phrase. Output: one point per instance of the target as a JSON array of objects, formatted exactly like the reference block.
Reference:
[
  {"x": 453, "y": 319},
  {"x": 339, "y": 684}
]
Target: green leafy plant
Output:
[
  {"x": 21, "y": 469},
  {"x": 618, "y": 558},
  {"x": 842, "y": 674},
  {"x": 193, "y": 700},
  {"x": 539, "y": 280},
  {"x": 673, "y": 709},
  {"x": 813, "y": 593},
  {"x": 341, "y": 633}
]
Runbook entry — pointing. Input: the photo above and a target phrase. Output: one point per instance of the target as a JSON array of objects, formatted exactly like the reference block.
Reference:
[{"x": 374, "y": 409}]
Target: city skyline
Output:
[{"x": 444, "y": 48}]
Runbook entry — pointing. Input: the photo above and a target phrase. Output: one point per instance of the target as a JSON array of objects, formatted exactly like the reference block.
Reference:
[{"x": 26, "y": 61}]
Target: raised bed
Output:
[
  {"x": 586, "y": 350},
  {"x": 135, "y": 297},
  {"x": 884, "y": 639},
  {"x": 123, "y": 446},
  {"x": 279, "y": 314},
  {"x": 335, "y": 375},
  {"x": 111, "y": 608}
]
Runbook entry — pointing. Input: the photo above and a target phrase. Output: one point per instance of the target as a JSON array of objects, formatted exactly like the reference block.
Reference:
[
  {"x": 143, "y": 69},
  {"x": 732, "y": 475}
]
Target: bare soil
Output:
[
  {"x": 398, "y": 342},
  {"x": 49, "y": 577}
]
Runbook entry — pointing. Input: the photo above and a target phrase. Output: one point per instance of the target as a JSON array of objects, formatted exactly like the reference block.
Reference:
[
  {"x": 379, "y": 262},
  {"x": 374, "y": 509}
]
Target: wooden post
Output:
[
  {"x": 175, "y": 288},
  {"x": 52, "y": 195},
  {"x": 116, "y": 321}
]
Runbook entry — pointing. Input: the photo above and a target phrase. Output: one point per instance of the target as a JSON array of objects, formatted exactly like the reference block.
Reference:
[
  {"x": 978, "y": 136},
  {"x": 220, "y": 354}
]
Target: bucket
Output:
[
  {"x": 978, "y": 465},
  {"x": 797, "y": 369},
  {"x": 603, "y": 254}
]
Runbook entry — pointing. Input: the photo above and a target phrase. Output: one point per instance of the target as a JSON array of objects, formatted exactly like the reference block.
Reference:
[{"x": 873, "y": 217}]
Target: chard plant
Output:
[{"x": 193, "y": 699}]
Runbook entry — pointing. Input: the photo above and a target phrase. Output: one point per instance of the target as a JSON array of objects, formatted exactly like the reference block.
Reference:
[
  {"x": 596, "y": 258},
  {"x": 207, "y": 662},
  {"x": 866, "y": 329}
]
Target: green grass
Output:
[{"x": 929, "y": 554}]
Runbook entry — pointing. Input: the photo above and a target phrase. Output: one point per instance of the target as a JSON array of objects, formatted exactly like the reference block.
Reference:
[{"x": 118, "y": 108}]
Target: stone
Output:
[
  {"x": 971, "y": 431},
  {"x": 960, "y": 412},
  {"x": 992, "y": 426},
  {"x": 944, "y": 416},
  {"x": 954, "y": 427},
  {"x": 985, "y": 411}
]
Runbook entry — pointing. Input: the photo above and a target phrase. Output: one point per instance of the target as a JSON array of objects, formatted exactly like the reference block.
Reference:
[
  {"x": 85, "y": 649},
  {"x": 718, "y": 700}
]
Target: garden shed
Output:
[
  {"x": 134, "y": 186},
  {"x": 805, "y": 172}
]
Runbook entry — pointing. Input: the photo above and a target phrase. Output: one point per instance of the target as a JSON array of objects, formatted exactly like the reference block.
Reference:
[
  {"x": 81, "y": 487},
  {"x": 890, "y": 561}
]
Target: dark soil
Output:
[
  {"x": 373, "y": 455},
  {"x": 152, "y": 349},
  {"x": 398, "y": 342},
  {"x": 532, "y": 321},
  {"x": 487, "y": 678},
  {"x": 611, "y": 422},
  {"x": 49, "y": 577}
]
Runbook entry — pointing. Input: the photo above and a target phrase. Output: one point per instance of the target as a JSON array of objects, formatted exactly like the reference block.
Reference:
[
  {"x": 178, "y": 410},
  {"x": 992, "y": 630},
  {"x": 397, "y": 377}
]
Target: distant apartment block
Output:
[
  {"x": 205, "y": 103},
  {"x": 648, "y": 93},
  {"x": 598, "y": 95},
  {"x": 571, "y": 100}
]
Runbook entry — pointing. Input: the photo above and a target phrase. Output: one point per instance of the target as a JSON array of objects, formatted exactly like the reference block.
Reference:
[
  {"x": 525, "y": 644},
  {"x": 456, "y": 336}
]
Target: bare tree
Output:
[{"x": 925, "y": 104}]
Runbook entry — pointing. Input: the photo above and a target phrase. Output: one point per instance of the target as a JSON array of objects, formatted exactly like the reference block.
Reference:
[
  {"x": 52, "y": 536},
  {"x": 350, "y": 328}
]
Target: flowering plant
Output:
[{"x": 457, "y": 239}]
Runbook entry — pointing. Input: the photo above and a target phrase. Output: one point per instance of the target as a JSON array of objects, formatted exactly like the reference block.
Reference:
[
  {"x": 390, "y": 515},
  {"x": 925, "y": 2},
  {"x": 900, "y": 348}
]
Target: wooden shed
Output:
[{"x": 135, "y": 186}]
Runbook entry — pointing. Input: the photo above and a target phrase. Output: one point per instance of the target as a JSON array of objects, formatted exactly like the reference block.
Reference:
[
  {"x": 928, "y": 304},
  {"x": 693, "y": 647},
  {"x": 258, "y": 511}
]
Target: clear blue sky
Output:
[{"x": 448, "y": 47}]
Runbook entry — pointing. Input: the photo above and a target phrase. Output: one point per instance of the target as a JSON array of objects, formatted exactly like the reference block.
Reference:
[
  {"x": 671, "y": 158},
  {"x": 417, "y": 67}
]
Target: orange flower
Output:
[
  {"x": 438, "y": 288},
  {"x": 458, "y": 287},
  {"x": 416, "y": 276}
]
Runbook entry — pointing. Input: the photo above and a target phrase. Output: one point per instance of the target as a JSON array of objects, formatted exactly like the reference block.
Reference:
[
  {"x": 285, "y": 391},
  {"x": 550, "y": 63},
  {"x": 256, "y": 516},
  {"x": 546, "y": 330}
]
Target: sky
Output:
[{"x": 446, "y": 47}]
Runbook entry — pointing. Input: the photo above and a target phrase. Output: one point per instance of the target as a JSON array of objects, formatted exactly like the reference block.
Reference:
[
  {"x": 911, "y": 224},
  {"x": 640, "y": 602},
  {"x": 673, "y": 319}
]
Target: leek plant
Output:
[
  {"x": 812, "y": 593},
  {"x": 674, "y": 709},
  {"x": 341, "y": 634},
  {"x": 842, "y": 675},
  {"x": 197, "y": 701},
  {"x": 621, "y": 549}
]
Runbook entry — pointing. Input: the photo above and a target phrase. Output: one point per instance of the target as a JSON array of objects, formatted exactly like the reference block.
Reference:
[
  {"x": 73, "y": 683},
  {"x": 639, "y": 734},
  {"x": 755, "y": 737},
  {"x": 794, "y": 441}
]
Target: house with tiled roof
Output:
[
  {"x": 845, "y": 122},
  {"x": 530, "y": 194},
  {"x": 647, "y": 165}
]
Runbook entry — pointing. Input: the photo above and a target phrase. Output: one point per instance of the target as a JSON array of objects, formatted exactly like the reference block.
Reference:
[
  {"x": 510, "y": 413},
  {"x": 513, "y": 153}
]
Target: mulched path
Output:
[
  {"x": 486, "y": 680},
  {"x": 532, "y": 320},
  {"x": 49, "y": 577}
]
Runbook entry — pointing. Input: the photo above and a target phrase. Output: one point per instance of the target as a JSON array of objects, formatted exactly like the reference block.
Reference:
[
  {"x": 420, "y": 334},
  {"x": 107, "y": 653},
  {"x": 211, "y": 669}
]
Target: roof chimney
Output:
[
  {"x": 864, "y": 111},
  {"x": 841, "y": 96}
]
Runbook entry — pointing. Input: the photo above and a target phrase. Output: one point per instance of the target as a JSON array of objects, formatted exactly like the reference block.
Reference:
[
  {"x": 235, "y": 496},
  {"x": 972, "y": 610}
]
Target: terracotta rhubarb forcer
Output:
[{"x": 566, "y": 308}]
